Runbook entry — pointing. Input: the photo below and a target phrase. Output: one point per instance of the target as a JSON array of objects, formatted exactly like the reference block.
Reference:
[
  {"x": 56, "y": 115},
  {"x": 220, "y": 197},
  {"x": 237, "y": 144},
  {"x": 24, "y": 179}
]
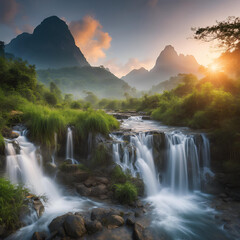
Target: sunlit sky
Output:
[{"x": 123, "y": 34}]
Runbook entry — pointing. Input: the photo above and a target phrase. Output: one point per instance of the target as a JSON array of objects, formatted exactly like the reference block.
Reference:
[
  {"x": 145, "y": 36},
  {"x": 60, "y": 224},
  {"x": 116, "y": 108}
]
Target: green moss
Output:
[
  {"x": 125, "y": 193},
  {"x": 11, "y": 201}
]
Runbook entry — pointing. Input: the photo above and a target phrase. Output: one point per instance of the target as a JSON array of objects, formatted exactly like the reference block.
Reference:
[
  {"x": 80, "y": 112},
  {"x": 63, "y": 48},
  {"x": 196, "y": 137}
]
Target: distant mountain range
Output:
[
  {"x": 168, "y": 64},
  {"x": 52, "y": 49}
]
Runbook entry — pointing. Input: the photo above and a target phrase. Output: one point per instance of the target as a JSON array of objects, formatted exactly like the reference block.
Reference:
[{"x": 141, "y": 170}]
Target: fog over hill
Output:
[{"x": 168, "y": 64}]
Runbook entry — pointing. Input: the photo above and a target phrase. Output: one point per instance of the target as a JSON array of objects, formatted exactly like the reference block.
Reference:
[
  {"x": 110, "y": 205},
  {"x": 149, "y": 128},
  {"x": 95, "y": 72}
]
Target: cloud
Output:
[
  {"x": 121, "y": 70},
  {"x": 25, "y": 28},
  {"x": 90, "y": 38},
  {"x": 8, "y": 11}
]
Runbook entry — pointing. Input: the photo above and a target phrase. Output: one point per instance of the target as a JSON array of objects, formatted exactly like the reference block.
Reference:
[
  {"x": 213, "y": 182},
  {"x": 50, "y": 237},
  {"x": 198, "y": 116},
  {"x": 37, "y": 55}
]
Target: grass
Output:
[
  {"x": 43, "y": 122},
  {"x": 125, "y": 193},
  {"x": 11, "y": 201}
]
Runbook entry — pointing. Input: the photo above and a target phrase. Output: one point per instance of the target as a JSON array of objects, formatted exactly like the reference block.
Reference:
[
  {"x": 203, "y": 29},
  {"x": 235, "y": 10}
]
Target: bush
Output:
[
  {"x": 118, "y": 176},
  {"x": 11, "y": 201},
  {"x": 125, "y": 193}
]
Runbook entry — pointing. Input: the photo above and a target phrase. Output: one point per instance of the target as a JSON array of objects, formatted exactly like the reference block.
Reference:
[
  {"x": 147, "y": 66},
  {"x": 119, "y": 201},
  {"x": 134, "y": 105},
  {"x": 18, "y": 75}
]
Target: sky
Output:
[{"x": 123, "y": 34}]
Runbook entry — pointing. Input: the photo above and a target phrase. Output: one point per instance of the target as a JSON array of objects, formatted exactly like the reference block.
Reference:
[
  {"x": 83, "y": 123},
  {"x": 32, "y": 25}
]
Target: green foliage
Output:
[
  {"x": 118, "y": 176},
  {"x": 11, "y": 201},
  {"x": 125, "y": 193},
  {"x": 50, "y": 98},
  {"x": 43, "y": 123}
]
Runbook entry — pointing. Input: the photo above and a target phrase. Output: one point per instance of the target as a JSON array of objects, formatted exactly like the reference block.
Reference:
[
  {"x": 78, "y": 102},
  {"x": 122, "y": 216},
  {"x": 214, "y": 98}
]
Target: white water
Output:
[
  {"x": 180, "y": 209},
  {"x": 69, "y": 146},
  {"x": 26, "y": 168}
]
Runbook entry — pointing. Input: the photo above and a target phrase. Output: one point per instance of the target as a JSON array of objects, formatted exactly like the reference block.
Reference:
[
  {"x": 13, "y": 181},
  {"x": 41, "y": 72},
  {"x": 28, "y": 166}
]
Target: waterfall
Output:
[
  {"x": 182, "y": 163},
  {"x": 69, "y": 145},
  {"x": 25, "y": 167},
  {"x": 182, "y": 173},
  {"x": 55, "y": 149}
]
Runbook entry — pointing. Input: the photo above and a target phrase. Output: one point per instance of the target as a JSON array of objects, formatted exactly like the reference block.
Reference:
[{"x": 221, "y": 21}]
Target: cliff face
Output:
[{"x": 50, "y": 46}]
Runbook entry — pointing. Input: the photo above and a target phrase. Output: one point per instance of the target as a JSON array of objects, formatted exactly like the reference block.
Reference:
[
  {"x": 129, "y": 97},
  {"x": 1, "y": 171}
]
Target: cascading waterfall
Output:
[
  {"x": 25, "y": 168},
  {"x": 183, "y": 171},
  {"x": 69, "y": 145}
]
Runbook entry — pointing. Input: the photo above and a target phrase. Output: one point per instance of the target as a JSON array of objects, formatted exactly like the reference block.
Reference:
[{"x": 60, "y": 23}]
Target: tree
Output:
[
  {"x": 227, "y": 33},
  {"x": 55, "y": 90},
  {"x": 91, "y": 97},
  {"x": 2, "y": 45}
]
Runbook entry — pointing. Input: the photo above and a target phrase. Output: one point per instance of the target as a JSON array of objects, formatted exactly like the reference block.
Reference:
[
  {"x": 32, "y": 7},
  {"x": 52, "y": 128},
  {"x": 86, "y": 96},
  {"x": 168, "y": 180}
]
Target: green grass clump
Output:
[
  {"x": 95, "y": 122},
  {"x": 11, "y": 201},
  {"x": 2, "y": 143},
  {"x": 118, "y": 176},
  {"x": 43, "y": 123},
  {"x": 125, "y": 193}
]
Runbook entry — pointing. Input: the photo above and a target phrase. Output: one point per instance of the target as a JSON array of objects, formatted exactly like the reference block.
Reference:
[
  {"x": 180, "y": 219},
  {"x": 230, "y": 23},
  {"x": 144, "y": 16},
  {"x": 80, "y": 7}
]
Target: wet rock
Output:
[
  {"x": 74, "y": 226},
  {"x": 139, "y": 232},
  {"x": 57, "y": 223},
  {"x": 39, "y": 236},
  {"x": 83, "y": 190},
  {"x": 50, "y": 168},
  {"x": 38, "y": 206},
  {"x": 103, "y": 213},
  {"x": 99, "y": 190},
  {"x": 114, "y": 221},
  {"x": 93, "y": 226},
  {"x": 130, "y": 220},
  {"x": 9, "y": 134}
]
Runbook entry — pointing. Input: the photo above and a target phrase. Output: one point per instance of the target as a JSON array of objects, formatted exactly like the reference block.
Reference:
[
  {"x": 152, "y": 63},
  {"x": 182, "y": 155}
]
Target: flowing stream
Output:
[{"x": 180, "y": 209}]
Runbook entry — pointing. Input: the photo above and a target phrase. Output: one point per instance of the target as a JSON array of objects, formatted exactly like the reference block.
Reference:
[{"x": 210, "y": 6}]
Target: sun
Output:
[{"x": 214, "y": 67}]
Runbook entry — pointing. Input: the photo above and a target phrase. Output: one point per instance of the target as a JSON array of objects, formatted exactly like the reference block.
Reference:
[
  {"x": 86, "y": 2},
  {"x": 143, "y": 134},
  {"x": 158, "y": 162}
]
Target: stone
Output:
[
  {"x": 102, "y": 180},
  {"x": 38, "y": 206},
  {"x": 74, "y": 226},
  {"x": 103, "y": 213},
  {"x": 57, "y": 223},
  {"x": 130, "y": 220},
  {"x": 114, "y": 221},
  {"x": 103, "y": 197},
  {"x": 138, "y": 232},
  {"x": 93, "y": 226},
  {"x": 39, "y": 236},
  {"x": 83, "y": 190},
  {"x": 99, "y": 190},
  {"x": 90, "y": 182}
]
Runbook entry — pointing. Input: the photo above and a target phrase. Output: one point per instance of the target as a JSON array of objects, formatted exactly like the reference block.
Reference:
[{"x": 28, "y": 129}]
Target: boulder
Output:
[
  {"x": 57, "y": 223},
  {"x": 102, "y": 180},
  {"x": 83, "y": 190},
  {"x": 39, "y": 236},
  {"x": 103, "y": 213},
  {"x": 140, "y": 233},
  {"x": 130, "y": 220},
  {"x": 99, "y": 190},
  {"x": 74, "y": 226},
  {"x": 115, "y": 221},
  {"x": 93, "y": 226},
  {"x": 90, "y": 182}
]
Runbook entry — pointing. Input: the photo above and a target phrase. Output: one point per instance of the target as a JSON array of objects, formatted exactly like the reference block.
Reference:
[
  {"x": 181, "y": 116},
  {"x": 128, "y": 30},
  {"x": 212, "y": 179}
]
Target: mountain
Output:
[
  {"x": 77, "y": 80},
  {"x": 169, "y": 63},
  {"x": 133, "y": 77},
  {"x": 51, "y": 45}
]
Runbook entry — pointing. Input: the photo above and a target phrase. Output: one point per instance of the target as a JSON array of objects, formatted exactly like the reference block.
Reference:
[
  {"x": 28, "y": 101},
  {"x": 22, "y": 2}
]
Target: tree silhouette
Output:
[
  {"x": 2, "y": 52},
  {"x": 227, "y": 33}
]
